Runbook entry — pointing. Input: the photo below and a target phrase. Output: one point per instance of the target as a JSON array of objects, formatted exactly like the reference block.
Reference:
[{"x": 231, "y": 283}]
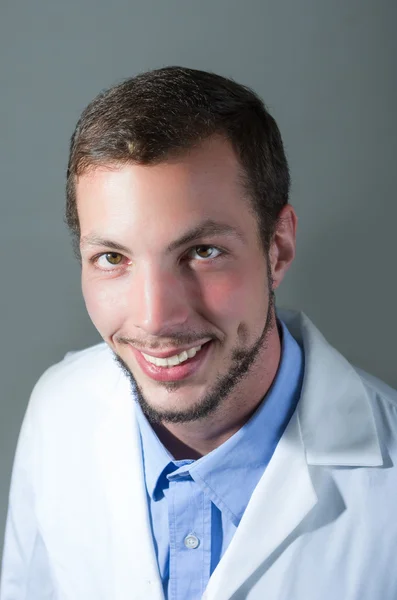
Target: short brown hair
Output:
[{"x": 164, "y": 112}]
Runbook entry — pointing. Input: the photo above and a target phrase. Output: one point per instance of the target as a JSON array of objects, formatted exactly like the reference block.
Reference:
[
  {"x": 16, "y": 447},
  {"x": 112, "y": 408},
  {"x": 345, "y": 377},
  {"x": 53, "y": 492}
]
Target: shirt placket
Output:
[{"x": 189, "y": 516}]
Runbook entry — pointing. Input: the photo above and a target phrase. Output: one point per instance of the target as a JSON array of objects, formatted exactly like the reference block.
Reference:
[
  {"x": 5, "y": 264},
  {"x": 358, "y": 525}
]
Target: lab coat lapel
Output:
[
  {"x": 335, "y": 414},
  {"x": 281, "y": 500},
  {"x": 133, "y": 571}
]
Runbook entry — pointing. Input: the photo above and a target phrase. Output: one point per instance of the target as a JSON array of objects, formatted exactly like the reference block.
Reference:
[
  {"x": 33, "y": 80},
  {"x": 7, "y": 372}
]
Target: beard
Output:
[{"x": 242, "y": 361}]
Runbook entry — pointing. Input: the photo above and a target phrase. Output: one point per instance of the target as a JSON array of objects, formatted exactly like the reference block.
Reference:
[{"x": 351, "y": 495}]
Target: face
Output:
[{"x": 175, "y": 280}]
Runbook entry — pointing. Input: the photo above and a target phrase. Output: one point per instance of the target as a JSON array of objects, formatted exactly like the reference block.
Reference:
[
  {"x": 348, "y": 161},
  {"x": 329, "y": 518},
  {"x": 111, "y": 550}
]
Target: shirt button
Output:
[{"x": 191, "y": 541}]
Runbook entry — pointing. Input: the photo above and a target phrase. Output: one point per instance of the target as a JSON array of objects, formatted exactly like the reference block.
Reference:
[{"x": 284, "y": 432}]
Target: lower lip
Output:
[{"x": 177, "y": 373}]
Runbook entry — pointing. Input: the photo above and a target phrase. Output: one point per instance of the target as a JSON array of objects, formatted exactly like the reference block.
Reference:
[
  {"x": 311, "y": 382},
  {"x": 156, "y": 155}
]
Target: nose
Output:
[{"x": 161, "y": 301}]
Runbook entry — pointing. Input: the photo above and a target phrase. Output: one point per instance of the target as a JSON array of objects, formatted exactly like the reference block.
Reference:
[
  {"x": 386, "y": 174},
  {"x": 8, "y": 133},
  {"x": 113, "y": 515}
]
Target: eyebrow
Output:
[
  {"x": 97, "y": 240},
  {"x": 204, "y": 229}
]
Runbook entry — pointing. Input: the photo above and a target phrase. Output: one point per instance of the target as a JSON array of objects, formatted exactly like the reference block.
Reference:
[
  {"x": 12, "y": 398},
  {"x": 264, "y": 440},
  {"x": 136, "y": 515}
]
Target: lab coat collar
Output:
[{"x": 335, "y": 416}]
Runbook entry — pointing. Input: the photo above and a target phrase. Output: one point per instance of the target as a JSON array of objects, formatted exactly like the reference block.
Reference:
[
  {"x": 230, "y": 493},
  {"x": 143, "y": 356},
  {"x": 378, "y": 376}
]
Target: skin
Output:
[{"x": 155, "y": 298}]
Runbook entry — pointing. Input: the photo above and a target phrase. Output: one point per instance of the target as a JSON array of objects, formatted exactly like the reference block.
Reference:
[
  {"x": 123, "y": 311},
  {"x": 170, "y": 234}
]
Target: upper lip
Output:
[{"x": 167, "y": 353}]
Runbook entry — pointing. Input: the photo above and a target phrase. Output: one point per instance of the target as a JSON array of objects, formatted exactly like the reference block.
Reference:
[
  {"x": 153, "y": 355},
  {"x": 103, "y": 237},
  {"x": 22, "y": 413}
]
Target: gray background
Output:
[{"x": 327, "y": 73}]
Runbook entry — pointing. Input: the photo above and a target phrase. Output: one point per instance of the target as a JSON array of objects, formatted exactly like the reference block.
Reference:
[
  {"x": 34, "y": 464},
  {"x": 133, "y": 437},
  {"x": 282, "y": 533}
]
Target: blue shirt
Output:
[{"x": 196, "y": 506}]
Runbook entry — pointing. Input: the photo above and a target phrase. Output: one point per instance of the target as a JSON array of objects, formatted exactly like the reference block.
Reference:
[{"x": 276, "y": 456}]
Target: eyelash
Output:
[{"x": 94, "y": 260}]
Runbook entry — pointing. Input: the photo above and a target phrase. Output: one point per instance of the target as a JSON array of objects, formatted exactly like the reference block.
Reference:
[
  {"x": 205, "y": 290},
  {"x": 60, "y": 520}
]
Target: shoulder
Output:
[
  {"x": 378, "y": 389},
  {"x": 82, "y": 367},
  {"x": 383, "y": 399},
  {"x": 79, "y": 380}
]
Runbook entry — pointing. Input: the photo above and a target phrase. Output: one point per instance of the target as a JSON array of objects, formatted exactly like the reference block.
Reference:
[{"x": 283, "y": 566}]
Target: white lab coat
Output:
[{"x": 320, "y": 525}]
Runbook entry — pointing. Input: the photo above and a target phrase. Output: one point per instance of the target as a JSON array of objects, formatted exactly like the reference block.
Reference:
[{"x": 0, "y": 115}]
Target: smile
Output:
[
  {"x": 176, "y": 367},
  {"x": 172, "y": 361}
]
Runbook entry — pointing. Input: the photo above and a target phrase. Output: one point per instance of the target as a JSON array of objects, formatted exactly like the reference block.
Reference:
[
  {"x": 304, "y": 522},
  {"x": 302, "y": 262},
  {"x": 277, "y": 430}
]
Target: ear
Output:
[{"x": 282, "y": 247}]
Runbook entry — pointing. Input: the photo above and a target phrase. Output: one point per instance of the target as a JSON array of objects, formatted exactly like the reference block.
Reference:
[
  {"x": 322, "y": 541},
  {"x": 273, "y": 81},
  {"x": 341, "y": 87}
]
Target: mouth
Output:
[{"x": 162, "y": 369}]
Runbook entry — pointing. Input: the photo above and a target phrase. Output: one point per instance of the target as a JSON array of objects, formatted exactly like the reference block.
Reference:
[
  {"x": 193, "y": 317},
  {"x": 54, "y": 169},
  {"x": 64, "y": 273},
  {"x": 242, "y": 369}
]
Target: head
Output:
[{"x": 177, "y": 199}]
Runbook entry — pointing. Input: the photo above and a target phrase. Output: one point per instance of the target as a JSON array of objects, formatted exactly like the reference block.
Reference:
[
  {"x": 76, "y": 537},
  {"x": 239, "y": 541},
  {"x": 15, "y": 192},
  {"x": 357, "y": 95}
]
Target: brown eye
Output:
[
  {"x": 204, "y": 251},
  {"x": 113, "y": 258}
]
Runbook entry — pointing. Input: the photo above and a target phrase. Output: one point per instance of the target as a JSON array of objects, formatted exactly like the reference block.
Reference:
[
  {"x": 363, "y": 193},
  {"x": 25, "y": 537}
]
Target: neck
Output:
[{"x": 198, "y": 438}]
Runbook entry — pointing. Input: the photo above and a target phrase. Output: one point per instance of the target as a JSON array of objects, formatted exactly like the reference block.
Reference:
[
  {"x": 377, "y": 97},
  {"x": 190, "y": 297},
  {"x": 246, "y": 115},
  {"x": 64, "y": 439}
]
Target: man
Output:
[{"x": 229, "y": 452}]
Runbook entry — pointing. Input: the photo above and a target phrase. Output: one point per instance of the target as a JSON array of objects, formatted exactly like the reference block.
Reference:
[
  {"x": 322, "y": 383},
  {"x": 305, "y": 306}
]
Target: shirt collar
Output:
[
  {"x": 231, "y": 471},
  {"x": 155, "y": 455}
]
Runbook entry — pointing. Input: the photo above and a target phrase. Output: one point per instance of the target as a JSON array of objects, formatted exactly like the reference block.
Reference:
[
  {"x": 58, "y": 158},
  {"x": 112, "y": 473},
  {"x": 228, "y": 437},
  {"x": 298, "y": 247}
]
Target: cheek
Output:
[
  {"x": 238, "y": 301},
  {"x": 106, "y": 305},
  {"x": 228, "y": 296}
]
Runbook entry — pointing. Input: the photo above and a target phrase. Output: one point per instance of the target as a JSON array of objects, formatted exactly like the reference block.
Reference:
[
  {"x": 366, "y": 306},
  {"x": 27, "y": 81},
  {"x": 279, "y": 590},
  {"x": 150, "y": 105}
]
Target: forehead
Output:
[{"x": 205, "y": 183}]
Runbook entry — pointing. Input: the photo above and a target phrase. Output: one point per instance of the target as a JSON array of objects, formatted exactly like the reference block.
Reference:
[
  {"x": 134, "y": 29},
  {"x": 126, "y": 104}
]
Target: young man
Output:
[{"x": 229, "y": 452}]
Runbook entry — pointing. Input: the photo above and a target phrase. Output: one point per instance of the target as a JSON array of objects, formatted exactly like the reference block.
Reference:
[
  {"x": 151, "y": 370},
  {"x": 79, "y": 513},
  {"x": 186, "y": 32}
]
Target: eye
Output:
[
  {"x": 204, "y": 252},
  {"x": 108, "y": 260}
]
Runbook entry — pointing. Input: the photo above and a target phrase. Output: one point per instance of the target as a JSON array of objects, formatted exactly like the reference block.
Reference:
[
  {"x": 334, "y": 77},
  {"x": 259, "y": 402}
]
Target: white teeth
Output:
[{"x": 171, "y": 361}]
